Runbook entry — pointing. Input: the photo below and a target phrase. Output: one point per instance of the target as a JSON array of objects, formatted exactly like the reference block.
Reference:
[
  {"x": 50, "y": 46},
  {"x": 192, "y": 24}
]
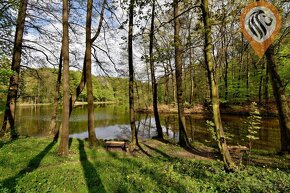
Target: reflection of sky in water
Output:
[
  {"x": 108, "y": 132},
  {"x": 112, "y": 121},
  {"x": 146, "y": 130}
]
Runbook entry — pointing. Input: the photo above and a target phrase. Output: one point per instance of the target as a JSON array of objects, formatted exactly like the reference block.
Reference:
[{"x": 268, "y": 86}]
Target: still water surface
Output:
[{"x": 112, "y": 121}]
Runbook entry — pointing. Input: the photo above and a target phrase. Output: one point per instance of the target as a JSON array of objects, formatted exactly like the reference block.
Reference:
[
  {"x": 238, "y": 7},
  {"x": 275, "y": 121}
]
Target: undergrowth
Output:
[{"x": 32, "y": 165}]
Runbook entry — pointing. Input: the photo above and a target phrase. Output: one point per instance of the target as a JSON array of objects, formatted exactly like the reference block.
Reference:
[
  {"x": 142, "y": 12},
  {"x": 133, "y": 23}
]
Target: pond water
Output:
[{"x": 112, "y": 121}]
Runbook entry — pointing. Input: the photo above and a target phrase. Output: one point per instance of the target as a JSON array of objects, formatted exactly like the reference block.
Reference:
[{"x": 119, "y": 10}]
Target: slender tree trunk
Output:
[
  {"x": 173, "y": 84},
  {"x": 261, "y": 84},
  {"x": 223, "y": 148},
  {"x": 266, "y": 88},
  {"x": 148, "y": 89},
  {"x": 83, "y": 81},
  {"x": 191, "y": 71},
  {"x": 64, "y": 133},
  {"x": 153, "y": 79},
  {"x": 90, "y": 96},
  {"x": 281, "y": 101},
  {"x": 248, "y": 79},
  {"x": 226, "y": 75},
  {"x": 52, "y": 125},
  {"x": 183, "y": 139},
  {"x": 134, "y": 136},
  {"x": 15, "y": 67},
  {"x": 191, "y": 94},
  {"x": 76, "y": 93},
  {"x": 237, "y": 93},
  {"x": 166, "y": 85}
]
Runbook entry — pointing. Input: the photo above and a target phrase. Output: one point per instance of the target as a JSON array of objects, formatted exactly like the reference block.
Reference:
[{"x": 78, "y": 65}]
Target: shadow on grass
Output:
[
  {"x": 205, "y": 154},
  {"x": 93, "y": 179},
  {"x": 10, "y": 183},
  {"x": 156, "y": 174},
  {"x": 158, "y": 151},
  {"x": 6, "y": 143},
  {"x": 193, "y": 150},
  {"x": 143, "y": 151}
]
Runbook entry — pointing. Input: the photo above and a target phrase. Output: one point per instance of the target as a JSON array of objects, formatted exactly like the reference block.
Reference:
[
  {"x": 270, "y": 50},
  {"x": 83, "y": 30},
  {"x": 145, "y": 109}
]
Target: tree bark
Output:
[
  {"x": 266, "y": 88},
  {"x": 52, "y": 125},
  {"x": 90, "y": 96},
  {"x": 15, "y": 67},
  {"x": 166, "y": 84},
  {"x": 76, "y": 93},
  {"x": 64, "y": 133},
  {"x": 281, "y": 101},
  {"x": 226, "y": 71},
  {"x": 134, "y": 136},
  {"x": 223, "y": 148},
  {"x": 153, "y": 79},
  {"x": 183, "y": 139}
]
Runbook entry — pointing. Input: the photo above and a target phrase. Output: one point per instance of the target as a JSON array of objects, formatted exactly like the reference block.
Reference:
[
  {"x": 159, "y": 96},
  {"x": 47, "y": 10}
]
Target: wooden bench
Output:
[{"x": 116, "y": 144}]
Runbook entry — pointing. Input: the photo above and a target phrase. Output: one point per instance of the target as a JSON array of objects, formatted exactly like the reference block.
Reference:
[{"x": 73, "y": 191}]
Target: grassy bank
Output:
[{"x": 32, "y": 165}]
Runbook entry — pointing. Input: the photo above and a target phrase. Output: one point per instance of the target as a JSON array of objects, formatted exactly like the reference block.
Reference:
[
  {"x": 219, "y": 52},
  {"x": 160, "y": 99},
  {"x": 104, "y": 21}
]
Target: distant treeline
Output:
[{"x": 38, "y": 86}]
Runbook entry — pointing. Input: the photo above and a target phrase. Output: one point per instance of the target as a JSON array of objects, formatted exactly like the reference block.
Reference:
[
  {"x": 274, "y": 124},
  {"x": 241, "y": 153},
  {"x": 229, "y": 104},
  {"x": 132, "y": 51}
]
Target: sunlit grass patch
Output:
[{"x": 32, "y": 165}]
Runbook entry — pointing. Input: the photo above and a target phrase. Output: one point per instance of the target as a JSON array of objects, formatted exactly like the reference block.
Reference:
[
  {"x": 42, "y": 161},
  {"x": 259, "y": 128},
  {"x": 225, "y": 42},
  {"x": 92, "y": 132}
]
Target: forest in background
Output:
[{"x": 192, "y": 52}]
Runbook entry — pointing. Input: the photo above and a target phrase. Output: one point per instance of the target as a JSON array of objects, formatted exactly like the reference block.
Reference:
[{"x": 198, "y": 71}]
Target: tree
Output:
[
  {"x": 52, "y": 125},
  {"x": 64, "y": 132},
  {"x": 78, "y": 90},
  {"x": 281, "y": 101},
  {"x": 183, "y": 140},
  {"x": 15, "y": 67},
  {"x": 90, "y": 96},
  {"x": 134, "y": 133},
  {"x": 213, "y": 85},
  {"x": 153, "y": 79},
  {"x": 5, "y": 73}
]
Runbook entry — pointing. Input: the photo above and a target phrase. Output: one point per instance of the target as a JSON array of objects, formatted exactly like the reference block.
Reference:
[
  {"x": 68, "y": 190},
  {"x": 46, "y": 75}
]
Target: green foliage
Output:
[
  {"x": 27, "y": 167},
  {"x": 211, "y": 128},
  {"x": 254, "y": 123},
  {"x": 38, "y": 86},
  {"x": 5, "y": 73}
]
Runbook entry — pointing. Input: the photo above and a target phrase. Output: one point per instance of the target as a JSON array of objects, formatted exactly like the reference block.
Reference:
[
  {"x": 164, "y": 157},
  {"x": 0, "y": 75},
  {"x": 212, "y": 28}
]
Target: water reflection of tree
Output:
[
  {"x": 144, "y": 127},
  {"x": 125, "y": 132}
]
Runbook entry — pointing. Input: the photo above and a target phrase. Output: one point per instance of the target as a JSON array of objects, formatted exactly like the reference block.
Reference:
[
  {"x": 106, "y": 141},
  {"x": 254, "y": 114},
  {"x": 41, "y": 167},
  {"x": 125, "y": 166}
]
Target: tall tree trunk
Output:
[
  {"x": 261, "y": 84},
  {"x": 166, "y": 84},
  {"x": 52, "y": 125},
  {"x": 153, "y": 79},
  {"x": 90, "y": 96},
  {"x": 266, "y": 88},
  {"x": 223, "y": 148},
  {"x": 173, "y": 99},
  {"x": 134, "y": 136},
  {"x": 83, "y": 80},
  {"x": 64, "y": 133},
  {"x": 226, "y": 57},
  {"x": 15, "y": 67},
  {"x": 226, "y": 74},
  {"x": 247, "y": 79},
  {"x": 76, "y": 93},
  {"x": 183, "y": 139},
  {"x": 281, "y": 101}
]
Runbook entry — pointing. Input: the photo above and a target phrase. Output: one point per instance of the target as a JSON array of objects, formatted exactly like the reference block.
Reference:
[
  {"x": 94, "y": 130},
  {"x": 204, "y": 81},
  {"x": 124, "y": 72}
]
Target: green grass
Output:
[{"x": 32, "y": 165}]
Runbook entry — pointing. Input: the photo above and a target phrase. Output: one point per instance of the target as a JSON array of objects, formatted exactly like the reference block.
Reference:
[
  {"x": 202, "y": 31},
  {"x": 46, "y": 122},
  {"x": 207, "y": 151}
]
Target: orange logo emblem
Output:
[{"x": 260, "y": 23}]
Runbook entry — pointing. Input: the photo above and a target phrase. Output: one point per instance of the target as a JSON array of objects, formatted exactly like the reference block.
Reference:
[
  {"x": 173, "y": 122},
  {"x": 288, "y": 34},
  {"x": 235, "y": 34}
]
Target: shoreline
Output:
[
  {"x": 76, "y": 104},
  {"x": 230, "y": 109}
]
